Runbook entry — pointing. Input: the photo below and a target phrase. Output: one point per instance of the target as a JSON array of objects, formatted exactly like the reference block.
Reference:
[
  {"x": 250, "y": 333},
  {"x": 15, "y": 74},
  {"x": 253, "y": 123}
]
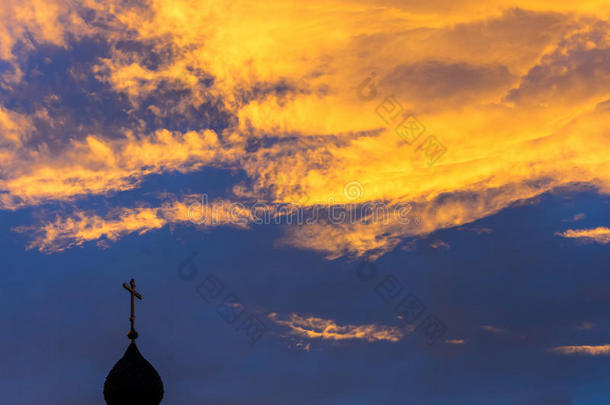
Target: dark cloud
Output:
[
  {"x": 281, "y": 91},
  {"x": 577, "y": 70},
  {"x": 62, "y": 98},
  {"x": 433, "y": 81}
]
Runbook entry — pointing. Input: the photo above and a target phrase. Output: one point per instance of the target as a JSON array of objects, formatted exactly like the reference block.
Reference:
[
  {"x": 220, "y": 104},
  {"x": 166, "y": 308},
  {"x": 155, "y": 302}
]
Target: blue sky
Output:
[{"x": 67, "y": 316}]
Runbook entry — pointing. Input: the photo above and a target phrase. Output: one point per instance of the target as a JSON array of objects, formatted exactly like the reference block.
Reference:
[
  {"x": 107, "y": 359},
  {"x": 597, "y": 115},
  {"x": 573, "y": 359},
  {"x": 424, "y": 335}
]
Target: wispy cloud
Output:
[
  {"x": 98, "y": 166},
  {"x": 493, "y": 329},
  {"x": 600, "y": 234},
  {"x": 578, "y": 217},
  {"x": 585, "y": 326},
  {"x": 437, "y": 243},
  {"x": 599, "y": 350},
  {"x": 83, "y": 226},
  {"x": 481, "y": 231},
  {"x": 317, "y": 328}
]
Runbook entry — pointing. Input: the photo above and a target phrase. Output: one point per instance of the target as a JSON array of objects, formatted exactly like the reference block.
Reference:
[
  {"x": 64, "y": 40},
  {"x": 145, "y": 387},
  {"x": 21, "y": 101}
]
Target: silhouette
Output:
[{"x": 133, "y": 380}]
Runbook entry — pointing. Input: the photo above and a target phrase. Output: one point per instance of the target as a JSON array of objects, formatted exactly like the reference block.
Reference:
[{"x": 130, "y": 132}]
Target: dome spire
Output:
[
  {"x": 131, "y": 287},
  {"x": 133, "y": 380}
]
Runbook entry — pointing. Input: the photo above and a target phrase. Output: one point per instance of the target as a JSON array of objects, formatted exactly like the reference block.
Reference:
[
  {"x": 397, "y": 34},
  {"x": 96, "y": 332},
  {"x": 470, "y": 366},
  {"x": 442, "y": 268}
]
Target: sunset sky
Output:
[{"x": 146, "y": 139}]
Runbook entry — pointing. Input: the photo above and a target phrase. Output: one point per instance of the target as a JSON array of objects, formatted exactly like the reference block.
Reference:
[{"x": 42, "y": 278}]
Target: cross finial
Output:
[{"x": 131, "y": 287}]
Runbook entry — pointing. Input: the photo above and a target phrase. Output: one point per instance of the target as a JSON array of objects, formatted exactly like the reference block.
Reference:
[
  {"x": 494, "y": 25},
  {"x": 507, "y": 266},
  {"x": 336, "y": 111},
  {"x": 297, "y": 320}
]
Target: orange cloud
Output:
[
  {"x": 599, "y": 350},
  {"x": 318, "y": 328},
  {"x": 455, "y": 341},
  {"x": 515, "y": 91},
  {"x": 98, "y": 166},
  {"x": 600, "y": 234},
  {"x": 85, "y": 226},
  {"x": 39, "y": 18},
  {"x": 14, "y": 127},
  {"x": 493, "y": 329}
]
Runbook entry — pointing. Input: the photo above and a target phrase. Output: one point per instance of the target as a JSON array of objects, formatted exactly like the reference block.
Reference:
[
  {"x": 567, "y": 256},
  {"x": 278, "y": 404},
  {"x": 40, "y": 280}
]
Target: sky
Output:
[{"x": 337, "y": 202}]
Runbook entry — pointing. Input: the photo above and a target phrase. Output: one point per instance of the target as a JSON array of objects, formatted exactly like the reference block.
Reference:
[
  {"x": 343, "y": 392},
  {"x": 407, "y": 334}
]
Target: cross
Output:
[{"x": 131, "y": 287}]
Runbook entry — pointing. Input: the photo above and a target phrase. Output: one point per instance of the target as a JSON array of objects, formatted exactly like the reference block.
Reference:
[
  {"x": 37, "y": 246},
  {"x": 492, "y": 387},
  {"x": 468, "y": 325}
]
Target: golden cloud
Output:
[
  {"x": 317, "y": 328},
  {"x": 320, "y": 96},
  {"x": 41, "y": 19},
  {"x": 455, "y": 341},
  {"x": 98, "y": 166},
  {"x": 82, "y": 227},
  {"x": 493, "y": 329},
  {"x": 85, "y": 226},
  {"x": 600, "y": 234},
  {"x": 599, "y": 350}
]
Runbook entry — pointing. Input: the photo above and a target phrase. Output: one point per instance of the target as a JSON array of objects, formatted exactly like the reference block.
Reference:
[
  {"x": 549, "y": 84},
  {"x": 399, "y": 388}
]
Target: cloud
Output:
[
  {"x": 481, "y": 231},
  {"x": 600, "y": 234},
  {"x": 455, "y": 341},
  {"x": 99, "y": 166},
  {"x": 513, "y": 94},
  {"x": 42, "y": 20},
  {"x": 493, "y": 329},
  {"x": 14, "y": 129},
  {"x": 317, "y": 328},
  {"x": 578, "y": 217},
  {"x": 575, "y": 72},
  {"x": 437, "y": 243},
  {"x": 81, "y": 227},
  {"x": 84, "y": 226},
  {"x": 599, "y": 350},
  {"x": 431, "y": 81},
  {"x": 585, "y": 326}
]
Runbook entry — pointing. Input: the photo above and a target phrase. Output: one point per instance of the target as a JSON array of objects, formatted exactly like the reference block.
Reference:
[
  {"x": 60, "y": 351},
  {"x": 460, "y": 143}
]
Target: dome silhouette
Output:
[{"x": 133, "y": 380}]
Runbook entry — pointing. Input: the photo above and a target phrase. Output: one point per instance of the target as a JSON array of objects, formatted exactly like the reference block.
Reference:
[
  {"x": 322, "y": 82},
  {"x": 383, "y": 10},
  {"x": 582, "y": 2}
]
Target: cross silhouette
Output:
[{"x": 131, "y": 287}]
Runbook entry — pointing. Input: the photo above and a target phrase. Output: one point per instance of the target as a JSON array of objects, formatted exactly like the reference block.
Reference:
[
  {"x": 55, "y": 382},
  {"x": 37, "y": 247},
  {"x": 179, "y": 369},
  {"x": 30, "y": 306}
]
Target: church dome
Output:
[{"x": 133, "y": 381}]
